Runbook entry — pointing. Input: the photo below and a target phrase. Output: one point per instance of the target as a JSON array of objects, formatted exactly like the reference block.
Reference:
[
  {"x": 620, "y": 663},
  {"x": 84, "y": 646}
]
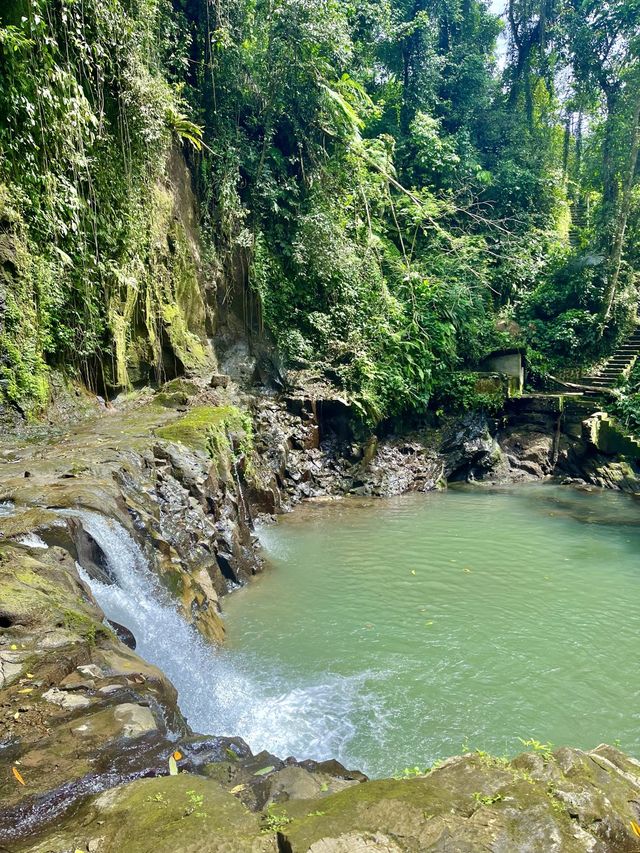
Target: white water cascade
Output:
[{"x": 215, "y": 693}]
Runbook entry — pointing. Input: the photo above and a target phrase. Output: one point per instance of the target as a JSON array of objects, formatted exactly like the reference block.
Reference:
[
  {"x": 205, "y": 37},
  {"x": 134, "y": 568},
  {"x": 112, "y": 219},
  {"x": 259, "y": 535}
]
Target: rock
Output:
[
  {"x": 90, "y": 670},
  {"x": 298, "y": 783},
  {"x": 356, "y": 842},
  {"x": 69, "y": 701},
  {"x": 123, "y": 634},
  {"x": 219, "y": 380},
  {"x": 570, "y": 802},
  {"x": 165, "y": 815},
  {"x": 10, "y": 667},
  {"x": 135, "y": 719},
  {"x": 470, "y": 447}
]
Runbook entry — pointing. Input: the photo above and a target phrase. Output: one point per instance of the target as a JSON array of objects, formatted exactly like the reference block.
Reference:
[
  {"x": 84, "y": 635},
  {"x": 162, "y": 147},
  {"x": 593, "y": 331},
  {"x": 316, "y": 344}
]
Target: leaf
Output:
[
  {"x": 66, "y": 260},
  {"x": 173, "y": 767},
  {"x": 636, "y": 828},
  {"x": 18, "y": 776},
  {"x": 237, "y": 789},
  {"x": 265, "y": 770},
  {"x": 26, "y": 690}
]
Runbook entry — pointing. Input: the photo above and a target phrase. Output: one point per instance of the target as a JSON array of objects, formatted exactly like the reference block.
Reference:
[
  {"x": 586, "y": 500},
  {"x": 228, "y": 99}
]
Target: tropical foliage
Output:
[{"x": 396, "y": 187}]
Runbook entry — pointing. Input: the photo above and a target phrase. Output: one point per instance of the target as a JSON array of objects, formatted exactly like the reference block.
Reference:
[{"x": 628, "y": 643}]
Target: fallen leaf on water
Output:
[
  {"x": 173, "y": 767},
  {"x": 429, "y": 623},
  {"x": 413, "y": 571},
  {"x": 13, "y": 647},
  {"x": 177, "y": 755},
  {"x": 636, "y": 828},
  {"x": 264, "y": 770},
  {"x": 16, "y": 773}
]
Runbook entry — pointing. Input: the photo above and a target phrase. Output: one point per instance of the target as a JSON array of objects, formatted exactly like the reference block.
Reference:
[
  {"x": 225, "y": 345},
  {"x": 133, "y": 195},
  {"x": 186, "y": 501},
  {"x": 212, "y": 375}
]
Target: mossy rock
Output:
[
  {"x": 170, "y": 400},
  {"x": 206, "y": 428},
  {"x": 473, "y": 803},
  {"x": 176, "y": 393},
  {"x": 182, "y": 813},
  {"x": 182, "y": 386}
]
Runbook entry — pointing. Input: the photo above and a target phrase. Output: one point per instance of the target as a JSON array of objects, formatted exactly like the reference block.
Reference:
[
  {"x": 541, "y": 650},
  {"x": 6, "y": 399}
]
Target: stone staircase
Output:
[
  {"x": 611, "y": 437},
  {"x": 619, "y": 365},
  {"x": 579, "y": 221}
]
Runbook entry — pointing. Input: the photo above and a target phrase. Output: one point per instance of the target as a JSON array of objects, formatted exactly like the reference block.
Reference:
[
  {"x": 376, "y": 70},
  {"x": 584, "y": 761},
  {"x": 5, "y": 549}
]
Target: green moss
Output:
[
  {"x": 207, "y": 428},
  {"x": 171, "y": 813},
  {"x": 173, "y": 582},
  {"x": 83, "y": 625},
  {"x": 23, "y": 372}
]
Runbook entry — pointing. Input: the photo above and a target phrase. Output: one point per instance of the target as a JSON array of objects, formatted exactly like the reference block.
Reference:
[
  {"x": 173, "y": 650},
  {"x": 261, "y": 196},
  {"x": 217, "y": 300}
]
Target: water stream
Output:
[{"x": 390, "y": 633}]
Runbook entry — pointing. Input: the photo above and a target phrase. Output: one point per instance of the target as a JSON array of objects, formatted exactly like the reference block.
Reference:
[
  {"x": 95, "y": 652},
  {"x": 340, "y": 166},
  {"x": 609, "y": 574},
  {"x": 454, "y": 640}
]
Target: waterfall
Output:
[
  {"x": 216, "y": 692},
  {"x": 243, "y": 503},
  {"x": 208, "y": 689}
]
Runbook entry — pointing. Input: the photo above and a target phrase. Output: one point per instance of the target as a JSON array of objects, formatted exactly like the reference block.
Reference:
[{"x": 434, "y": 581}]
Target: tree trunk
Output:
[
  {"x": 622, "y": 216},
  {"x": 609, "y": 177}
]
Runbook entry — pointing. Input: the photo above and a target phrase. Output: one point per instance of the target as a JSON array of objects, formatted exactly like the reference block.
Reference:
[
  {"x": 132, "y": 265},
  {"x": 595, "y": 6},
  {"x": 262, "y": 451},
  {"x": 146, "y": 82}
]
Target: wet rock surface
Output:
[
  {"x": 568, "y": 802},
  {"x": 182, "y": 506}
]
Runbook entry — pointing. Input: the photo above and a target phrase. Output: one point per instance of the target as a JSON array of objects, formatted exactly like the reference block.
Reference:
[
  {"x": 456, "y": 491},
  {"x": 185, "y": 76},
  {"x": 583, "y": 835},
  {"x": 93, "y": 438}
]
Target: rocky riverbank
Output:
[{"x": 89, "y": 730}]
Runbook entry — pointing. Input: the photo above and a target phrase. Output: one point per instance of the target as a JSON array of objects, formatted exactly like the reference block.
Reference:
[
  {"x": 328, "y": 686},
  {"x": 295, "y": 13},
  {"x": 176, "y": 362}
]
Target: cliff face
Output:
[
  {"x": 101, "y": 260},
  {"x": 158, "y": 309}
]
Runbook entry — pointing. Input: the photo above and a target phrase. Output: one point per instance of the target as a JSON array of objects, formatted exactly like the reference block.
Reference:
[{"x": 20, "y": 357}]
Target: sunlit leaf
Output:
[
  {"x": 18, "y": 775},
  {"x": 173, "y": 767},
  {"x": 264, "y": 770}
]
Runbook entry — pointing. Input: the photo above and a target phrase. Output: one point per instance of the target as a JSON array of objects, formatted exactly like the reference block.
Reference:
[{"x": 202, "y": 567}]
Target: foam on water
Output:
[
  {"x": 32, "y": 540},
  {"x": 7, "y": 508},
  {"x": 216, "y": 692}
]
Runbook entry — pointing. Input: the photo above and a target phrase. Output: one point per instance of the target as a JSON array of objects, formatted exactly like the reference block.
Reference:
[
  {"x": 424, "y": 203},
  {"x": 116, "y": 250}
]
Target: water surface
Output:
[{"x": 389, "y": 633}]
